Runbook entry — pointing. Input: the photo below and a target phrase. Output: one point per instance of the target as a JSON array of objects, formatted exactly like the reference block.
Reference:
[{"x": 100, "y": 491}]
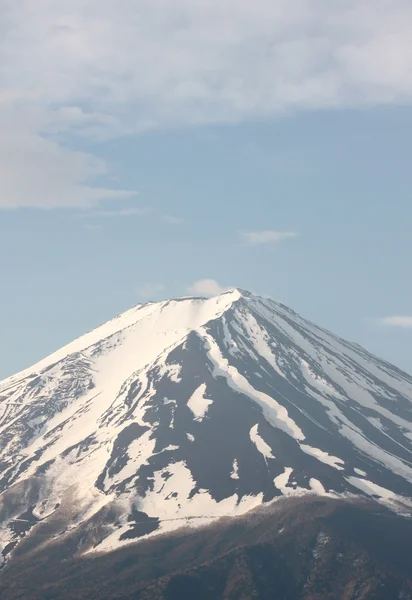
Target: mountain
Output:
[
  {"x": 179, "y": 412},
  {"x": 301, "y": 548}
]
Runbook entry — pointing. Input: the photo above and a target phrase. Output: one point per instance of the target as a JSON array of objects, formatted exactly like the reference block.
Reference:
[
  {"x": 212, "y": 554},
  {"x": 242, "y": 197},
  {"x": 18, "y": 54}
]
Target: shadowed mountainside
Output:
[{"x": 307, "y": 548}]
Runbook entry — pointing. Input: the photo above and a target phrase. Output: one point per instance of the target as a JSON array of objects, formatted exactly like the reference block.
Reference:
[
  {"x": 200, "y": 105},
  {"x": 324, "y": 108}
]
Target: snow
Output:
[
  {"x": 121, "y": 354},
  {"x": 324, "y": 457},
  {"x": 317, "y": 487},
  {"x": 370, "y": 488},
  {"x": 260, "y": 342},
  {"x": 282, "y": 480},
  {"x": 235, "y": 470},
  {"x": 170, "y": 501},
  {"x": 139, "y": 452},
  {"x": 281, "y": 483},
  {"x": 274, "y": 412},
  {"x": 160, "y": 325},
  {"x": 198, "y": 403},
  {"x": 260, "y": 443},
  {"x": 171, "y": 371},
  {"x": 390, "y": 461},
  {"x": 171, "y": 402},
  {"x": 319, "y": 382},
  {"x": 360, "y": 472},
  {"x": 230, "y": 344},
  {"x": 343, "y": 368},
  {"x": 324, "y": 349}
]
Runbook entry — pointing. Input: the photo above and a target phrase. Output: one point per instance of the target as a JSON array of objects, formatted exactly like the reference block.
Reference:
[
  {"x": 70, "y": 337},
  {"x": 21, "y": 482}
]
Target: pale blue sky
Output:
[{"x": 319, "y": 149}]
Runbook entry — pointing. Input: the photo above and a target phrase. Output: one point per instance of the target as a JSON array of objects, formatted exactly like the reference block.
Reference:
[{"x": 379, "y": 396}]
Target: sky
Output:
[{"x": 152, "y": 149}]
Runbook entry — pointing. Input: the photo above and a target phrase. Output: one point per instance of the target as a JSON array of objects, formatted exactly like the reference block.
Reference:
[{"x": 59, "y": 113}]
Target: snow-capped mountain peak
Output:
[
  {"x": 188, "y": 312},
  {"x": 195, "y": 408}
]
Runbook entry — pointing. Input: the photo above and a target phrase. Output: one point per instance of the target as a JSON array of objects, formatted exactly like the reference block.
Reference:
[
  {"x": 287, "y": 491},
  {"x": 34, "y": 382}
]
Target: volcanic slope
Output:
[{"x": 190, "y": 409}]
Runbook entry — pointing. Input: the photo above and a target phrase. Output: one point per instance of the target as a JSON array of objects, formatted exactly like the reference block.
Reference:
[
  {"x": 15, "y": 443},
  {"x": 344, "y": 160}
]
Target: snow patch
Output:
[
  {"x": 324, "y": 457},
  {"x": 198, "y": 403},
  {"x": 260, "y": 443},
  {"x": 235, "y": 470},
  {"x": 282, "y": 480},
  {"x": 317, "y": 487},
  {"x": 370, "y": 488}
]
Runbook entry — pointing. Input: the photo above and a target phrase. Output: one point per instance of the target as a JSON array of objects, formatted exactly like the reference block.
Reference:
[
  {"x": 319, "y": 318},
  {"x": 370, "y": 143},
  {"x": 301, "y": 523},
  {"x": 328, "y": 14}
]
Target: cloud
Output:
[
  {"x": 85, "y": 69},
  {"x": 207, "y": 287},
  {"x": 255, "y": 238},
  {"x": 131, "y": 211},
  {"x": 92, "y": 226},
  {"x": 397, "y": 321},
  {"x": 157, "y": 62},
  {"x": 172, "y": 220},
  {"x": 150, "y": 290},
  {"x": 38, "y": 172}
]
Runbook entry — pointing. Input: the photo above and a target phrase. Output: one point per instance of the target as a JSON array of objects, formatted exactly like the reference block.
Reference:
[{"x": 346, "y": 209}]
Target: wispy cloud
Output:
[
  {"x": 150, "y": 290},
  {"x": 132, "y": 211},
  {"x": 36, "y": 171},
  {"x": 173, "y": 220},
  {"x": 207, "y": 287},
  {"x": 255, "y": 238},
  {"x": 397, "y": 321},
  {"x": 89, "y": 69},
  {"x": 92, "y": 226}
]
